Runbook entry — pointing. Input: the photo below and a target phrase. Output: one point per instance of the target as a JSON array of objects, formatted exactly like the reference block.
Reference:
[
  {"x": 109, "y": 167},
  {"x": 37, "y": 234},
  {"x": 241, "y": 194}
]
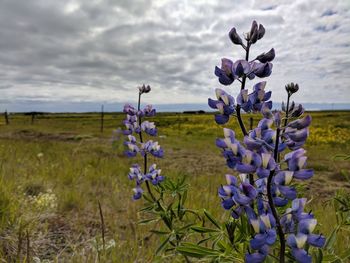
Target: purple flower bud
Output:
[
  {"x": 292, "y": 88},
  {"x": 254, "y": 33},
  {"x": 266, "y": 57},
  {"x": 235, "y": 38},
  {"x": 298, "y": 111},
  {"x": 261, "y": 31},
  {"x": 144, "y": 89}
]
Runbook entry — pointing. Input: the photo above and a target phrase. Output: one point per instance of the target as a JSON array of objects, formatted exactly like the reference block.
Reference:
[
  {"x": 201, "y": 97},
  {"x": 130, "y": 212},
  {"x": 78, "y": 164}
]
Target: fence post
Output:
[
  {"x": 102, "y": 118},
  {"x": 6, "y": 118}
]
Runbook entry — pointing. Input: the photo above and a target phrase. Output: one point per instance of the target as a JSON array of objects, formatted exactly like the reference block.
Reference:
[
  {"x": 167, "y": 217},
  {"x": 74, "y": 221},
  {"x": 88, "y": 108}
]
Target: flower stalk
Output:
[{"x": 259, "y": 155}]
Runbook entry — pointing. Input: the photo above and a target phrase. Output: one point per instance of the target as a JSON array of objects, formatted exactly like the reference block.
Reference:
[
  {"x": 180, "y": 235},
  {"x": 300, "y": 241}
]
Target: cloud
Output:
[{"x": 102, "y": 50}]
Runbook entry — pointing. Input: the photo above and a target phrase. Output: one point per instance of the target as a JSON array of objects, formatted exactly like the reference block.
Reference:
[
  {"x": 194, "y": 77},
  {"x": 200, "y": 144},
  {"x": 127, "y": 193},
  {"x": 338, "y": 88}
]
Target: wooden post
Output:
[
  {"x": 102, "y": 118},
  {"x": 33, "y": 116},
  {"x": 6, "y": 118}
]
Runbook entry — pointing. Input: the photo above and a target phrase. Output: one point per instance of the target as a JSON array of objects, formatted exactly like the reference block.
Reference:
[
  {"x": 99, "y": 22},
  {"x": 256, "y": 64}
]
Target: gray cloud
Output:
[{"x": 102, "y": 50}]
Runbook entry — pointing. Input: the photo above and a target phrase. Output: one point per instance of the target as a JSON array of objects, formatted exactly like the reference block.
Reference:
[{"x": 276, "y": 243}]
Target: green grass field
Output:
[{"x": 54, "y": 172}]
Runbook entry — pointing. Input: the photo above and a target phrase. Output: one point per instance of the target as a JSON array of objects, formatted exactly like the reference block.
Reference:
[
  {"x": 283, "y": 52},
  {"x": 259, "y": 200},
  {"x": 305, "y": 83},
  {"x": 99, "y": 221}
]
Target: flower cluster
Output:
[
  {"x": 241, "y": 70},
  {"x": 266, "y": 174},
  {"x": 134, "y": 126}
]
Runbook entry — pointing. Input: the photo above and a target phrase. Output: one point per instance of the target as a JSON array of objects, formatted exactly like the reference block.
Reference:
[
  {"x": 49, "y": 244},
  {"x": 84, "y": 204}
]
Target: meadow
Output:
[{"x": 55, "y": 171}]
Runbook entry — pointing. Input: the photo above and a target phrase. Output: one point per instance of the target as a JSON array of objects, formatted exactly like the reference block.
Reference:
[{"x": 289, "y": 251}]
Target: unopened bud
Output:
[
  {"x": 144, "y": 89},
  {"x": 261, "y": 31},
  {"x": 292, "y": 88},
  {"x": 235, "y": 38},
  {"x": 266, "y": 57}
]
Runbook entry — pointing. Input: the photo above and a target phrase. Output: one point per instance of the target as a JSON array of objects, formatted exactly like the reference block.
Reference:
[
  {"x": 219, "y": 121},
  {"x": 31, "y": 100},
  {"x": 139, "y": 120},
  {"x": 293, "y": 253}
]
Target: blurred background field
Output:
[{"x": 53, "y": 173}]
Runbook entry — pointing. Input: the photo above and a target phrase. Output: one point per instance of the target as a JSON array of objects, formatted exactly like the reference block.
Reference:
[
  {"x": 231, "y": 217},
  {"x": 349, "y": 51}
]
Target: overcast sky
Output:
[{"x": 54, "y": 52}]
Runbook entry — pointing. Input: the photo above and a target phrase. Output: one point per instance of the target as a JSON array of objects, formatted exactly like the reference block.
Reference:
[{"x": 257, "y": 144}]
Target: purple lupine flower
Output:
[
  {"x": 261, "y": 70},
  {"x": 149, "y": 128},
  {"x": 259, "y": 256},
  {"x": 249, "y": 163},
  {"x": 148, "y": 111},
  {"x": 304, "y": 236},
  {"x": 152, "y": 148},
  {"x": 133, "y": 149},
  {"x": 259, "y": 96},
  {"x": 244, "y": 194},
  {"x": 226, "y": 192},
  {"x": 259, "y": 156},
  {"x": 225, "y": 105},
  {"x": 243, "y": 100},
  {"x": 134, "y": 124},
  {"x": 135, "y": 173},
  {"x": 264, "y": 227},
  {"x": 297, "y": 132},
  {"x": 154, "y": 175},
  {"x": 232, "y": 150},
  {"x": 225, "y": 74},
  {"x": 129, "y": 109},
  {"x": 131, "y": 125},
  {"x": 267, "y": 165},
  {"x": 263, "y": 138},
  {"x": 241, "y": 68},
  {"x": 137, "y": 192},
  {"x": 235, "y": 196},
  {"x": 297, "y": 162}
]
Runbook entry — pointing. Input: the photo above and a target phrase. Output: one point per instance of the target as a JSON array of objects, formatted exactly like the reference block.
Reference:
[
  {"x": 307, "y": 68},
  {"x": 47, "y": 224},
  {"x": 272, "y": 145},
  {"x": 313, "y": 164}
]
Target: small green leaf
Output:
[
  {"x": 146, "y": 221},
  {"x": 193, "y": 250},
  {"x": 212, "y": 219},
  {"x": 147, "y": 208},
  {"x": 162, "y": 245},
  {"x": 200, "y": 229},
  {"x": 332, "y": 238}
]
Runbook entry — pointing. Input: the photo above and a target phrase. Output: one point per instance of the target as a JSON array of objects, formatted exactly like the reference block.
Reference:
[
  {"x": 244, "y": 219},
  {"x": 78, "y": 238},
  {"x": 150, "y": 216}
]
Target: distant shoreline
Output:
[{"x": 90, "y": 107}]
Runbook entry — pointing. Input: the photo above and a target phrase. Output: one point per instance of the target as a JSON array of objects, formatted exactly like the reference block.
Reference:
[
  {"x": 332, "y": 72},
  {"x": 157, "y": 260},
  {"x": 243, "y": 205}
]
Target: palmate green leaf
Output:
[
  {"x": 193, "y": 250},
  {"x": 212, "y": 219},
  {"x": 201, "y": 229}
]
